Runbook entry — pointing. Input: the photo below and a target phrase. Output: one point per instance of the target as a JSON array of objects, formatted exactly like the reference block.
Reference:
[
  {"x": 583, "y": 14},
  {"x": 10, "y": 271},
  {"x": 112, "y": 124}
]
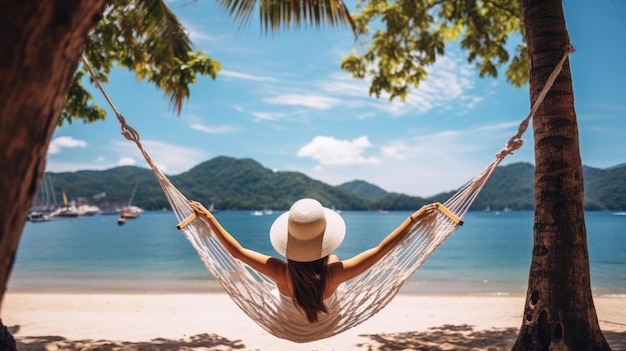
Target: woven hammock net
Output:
[{"x": 360, "y": 298}]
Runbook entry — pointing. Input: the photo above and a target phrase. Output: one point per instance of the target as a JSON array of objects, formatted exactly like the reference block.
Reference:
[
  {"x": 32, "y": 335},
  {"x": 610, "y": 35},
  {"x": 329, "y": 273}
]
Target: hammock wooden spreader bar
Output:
[
  {"x": 360, "y": 298},
  {"x": 186, "y": 221},
  {"x": 448, "y": 213}
]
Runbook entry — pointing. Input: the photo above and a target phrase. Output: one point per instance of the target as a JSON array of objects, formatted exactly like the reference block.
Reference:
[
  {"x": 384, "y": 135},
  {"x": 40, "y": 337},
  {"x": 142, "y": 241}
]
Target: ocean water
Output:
[{"x": 490, "y": 254}]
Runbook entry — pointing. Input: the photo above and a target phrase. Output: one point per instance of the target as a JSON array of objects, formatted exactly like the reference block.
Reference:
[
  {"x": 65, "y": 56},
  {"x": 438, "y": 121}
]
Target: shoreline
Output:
[
  {"x": 201, "y": 321},
  {"x": 54, "y": 285}
]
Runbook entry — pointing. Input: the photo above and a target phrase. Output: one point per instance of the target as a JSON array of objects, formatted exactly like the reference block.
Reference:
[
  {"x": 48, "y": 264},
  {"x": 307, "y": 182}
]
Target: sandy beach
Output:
[{"x": 119, "y": 321}]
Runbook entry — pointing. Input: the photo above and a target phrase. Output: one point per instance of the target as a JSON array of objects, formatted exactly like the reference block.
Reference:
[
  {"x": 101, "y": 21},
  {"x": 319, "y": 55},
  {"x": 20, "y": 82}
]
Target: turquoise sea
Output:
[{"x": 490, "y": 254}]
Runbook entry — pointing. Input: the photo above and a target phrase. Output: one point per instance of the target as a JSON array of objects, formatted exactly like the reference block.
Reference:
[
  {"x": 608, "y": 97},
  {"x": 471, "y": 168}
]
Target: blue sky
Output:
[{"x": 282, "y": 100}]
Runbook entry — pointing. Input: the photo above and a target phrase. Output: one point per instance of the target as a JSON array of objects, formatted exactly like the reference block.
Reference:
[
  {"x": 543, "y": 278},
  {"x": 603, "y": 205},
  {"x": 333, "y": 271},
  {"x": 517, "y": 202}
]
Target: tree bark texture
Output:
[
  {"x": 39, "y": 52},
  {"x": 7, "y": 341},
  {"x": 559, "y": 313}
]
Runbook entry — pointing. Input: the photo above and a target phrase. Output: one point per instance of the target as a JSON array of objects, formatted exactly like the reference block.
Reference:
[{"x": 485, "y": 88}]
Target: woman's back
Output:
[{"x": 300, "y": 329}]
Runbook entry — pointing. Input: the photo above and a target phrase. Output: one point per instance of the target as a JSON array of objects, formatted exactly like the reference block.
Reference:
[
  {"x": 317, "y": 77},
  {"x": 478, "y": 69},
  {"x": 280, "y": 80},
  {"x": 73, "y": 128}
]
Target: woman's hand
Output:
[
  {"x": 199, "y": 209},
  {"x": 424, "y": 211}
]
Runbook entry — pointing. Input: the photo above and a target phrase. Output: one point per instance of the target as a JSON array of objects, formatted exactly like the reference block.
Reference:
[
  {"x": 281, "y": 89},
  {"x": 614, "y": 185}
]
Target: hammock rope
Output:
[{"x": 358, "y": 299}]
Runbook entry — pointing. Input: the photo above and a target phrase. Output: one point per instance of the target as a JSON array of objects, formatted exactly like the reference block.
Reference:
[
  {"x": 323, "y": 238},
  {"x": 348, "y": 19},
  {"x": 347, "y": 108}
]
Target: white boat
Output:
[
  {"x": 130, "y": 211},
  {"x": 38, "y": 217},
  {"x": 45, "y": 202},
  {"x": 212, "y": 208},
  {"x": 68, "y": 210},
  {"x": 88, "y": 210}
]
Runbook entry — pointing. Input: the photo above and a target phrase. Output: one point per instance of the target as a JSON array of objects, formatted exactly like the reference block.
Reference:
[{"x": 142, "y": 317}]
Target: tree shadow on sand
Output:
[
  {"x": 196, "y": 342},
  {"x": 447, "y": 337},
  {"x": 461, "y": 338}
]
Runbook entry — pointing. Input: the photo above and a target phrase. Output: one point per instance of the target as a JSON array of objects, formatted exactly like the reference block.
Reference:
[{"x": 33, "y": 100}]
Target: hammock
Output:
[{"x": 358, "y": 299}]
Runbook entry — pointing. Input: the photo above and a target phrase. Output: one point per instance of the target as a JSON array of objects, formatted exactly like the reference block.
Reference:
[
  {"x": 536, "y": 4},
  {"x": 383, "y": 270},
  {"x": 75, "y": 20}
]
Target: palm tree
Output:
[
  {"x": 559, "y": 313},
  {"x": 38, "y": 65}
]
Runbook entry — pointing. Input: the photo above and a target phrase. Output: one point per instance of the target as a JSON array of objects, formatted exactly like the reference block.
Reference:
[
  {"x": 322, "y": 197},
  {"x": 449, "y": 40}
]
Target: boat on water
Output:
[
  {"x": 46, "y": 207},
  {"x": 212, "y": 208},
  {"x": 45, "y": 202},
  {"x": 88, "y": 210},
  {"x": 68, "y": 211},
  {"x": 121, "y": 221},
  {"x": 263, "y": 212},
  {"x": 38, "y": 217},
  {"x": 130, "y": 211}
]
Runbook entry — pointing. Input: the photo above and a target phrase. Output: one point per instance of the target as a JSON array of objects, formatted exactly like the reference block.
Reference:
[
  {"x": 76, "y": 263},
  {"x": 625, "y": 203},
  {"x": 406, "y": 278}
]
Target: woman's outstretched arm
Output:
[
  {"x": 272, "y": 267},
  {"x": 350, "y": 268}
]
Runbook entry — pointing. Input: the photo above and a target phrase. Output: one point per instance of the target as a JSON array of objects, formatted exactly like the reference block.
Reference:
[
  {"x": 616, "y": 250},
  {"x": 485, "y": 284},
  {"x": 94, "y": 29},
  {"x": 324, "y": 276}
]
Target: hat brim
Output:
[{"x": 308, "y": 250}]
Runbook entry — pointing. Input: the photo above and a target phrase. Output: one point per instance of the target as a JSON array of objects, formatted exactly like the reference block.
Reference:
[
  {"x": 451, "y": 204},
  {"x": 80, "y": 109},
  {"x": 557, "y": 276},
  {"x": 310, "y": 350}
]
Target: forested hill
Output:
[{"x": 244, "y": 184}]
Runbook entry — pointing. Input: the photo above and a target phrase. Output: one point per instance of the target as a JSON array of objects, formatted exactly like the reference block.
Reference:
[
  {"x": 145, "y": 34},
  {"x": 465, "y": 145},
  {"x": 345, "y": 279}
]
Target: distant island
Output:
[{"x": 244, "y": 184}]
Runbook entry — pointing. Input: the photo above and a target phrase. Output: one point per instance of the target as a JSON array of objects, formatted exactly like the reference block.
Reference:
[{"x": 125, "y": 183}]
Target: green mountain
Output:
[
  {"x": 510, "y": 186},
  {"x": 244, "y": 184},
  {"x": 605, "y": 189},
  {"x": 364, "y": 189}
]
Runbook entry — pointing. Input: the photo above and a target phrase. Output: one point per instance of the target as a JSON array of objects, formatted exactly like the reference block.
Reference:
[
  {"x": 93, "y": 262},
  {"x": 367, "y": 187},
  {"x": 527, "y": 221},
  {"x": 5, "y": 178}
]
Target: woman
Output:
[{"x": 306, "y": 236}]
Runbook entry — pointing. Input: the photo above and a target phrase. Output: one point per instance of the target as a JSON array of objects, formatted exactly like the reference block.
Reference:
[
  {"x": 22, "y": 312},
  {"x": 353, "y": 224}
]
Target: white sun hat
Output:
[{"x": 307, "y": 232}]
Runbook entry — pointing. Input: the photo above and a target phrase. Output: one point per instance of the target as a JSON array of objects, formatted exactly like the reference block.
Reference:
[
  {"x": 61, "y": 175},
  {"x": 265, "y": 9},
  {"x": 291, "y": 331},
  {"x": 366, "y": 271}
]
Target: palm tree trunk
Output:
[
  {"x": 40, "y": 48},
  {"x": 559, "y": 313}
]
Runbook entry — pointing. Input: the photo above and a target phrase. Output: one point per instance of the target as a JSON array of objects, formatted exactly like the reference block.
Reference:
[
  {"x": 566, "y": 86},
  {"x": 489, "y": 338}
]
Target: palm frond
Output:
[
  {"x": 168, "y": 43},
  {"x": 164, "y": 29},
  {"x": 275, "y": 15}
]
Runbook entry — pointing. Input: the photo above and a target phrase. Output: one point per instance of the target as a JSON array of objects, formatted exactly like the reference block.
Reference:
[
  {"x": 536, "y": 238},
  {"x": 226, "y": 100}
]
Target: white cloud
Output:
[
  {"x": 246, "y": 76},
  {"x": 450, "y": 145},
  {"x": 448, "y": 85},
  {"x": 61, "y": 166},
  {"x": 395, "y": 150},
  {"x": 196, "y": 35},
  {"x": 126, "y": 161},
  {"x": 424, "y": 165},
  {"x": 169, "y": 158},
  {"x": 307, "y": 100},
  {"x": 449, "y": 81},
  {"x": 331, "y": 151},
  {"x": 344, "y": 84},
  {"x": 267, "y": 116},
  {"x": 223, "y": 129},
  {"x": 64, "y": 142}
]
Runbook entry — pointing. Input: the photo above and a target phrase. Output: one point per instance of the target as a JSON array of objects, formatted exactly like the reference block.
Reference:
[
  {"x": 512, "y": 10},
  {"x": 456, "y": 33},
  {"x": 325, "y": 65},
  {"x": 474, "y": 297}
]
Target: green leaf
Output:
[{"x": 411, "y": 35}]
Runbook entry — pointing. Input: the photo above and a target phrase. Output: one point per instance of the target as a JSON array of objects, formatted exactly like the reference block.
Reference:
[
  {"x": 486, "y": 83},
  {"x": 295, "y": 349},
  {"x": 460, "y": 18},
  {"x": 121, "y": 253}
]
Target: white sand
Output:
[{"x": 212, "y": 322}]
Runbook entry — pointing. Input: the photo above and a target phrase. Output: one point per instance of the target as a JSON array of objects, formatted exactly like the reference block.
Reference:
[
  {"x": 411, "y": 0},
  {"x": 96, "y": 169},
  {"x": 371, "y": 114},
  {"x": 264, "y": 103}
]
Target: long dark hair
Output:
[{"x": 309, "y": 283}]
